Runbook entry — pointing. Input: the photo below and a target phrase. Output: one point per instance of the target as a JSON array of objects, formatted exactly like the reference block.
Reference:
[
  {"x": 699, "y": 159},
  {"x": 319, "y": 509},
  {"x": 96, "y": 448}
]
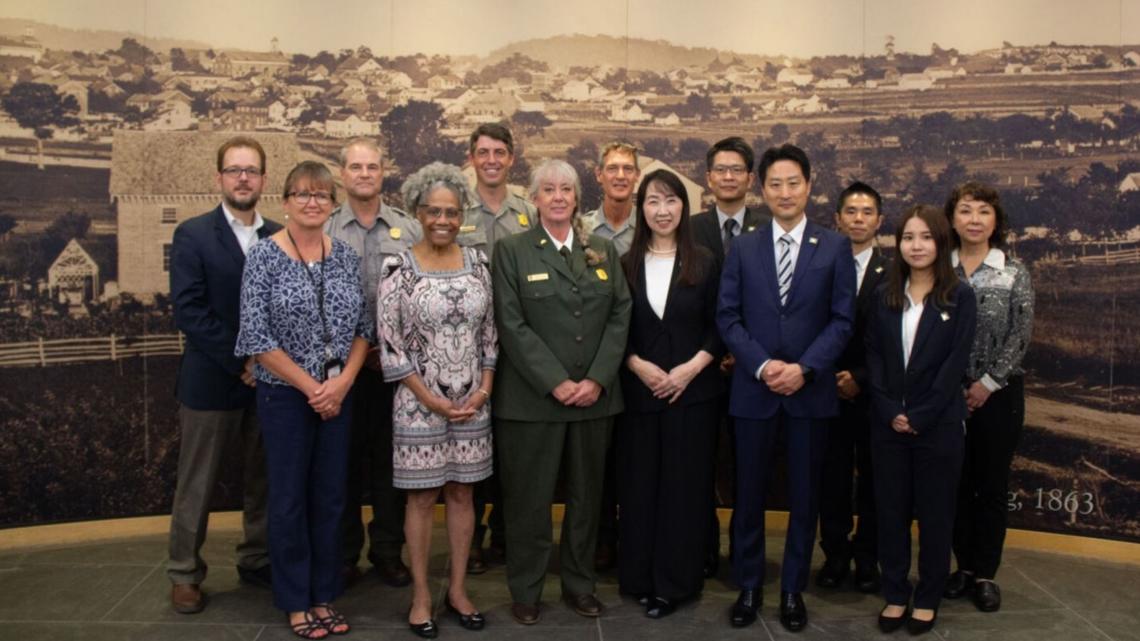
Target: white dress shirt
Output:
[
  {"x": 862, "y": 259},
  {"x": 658, "y": 273},
  {"x": 246, "y": 234},
  {"x": 797, "y": 234},
  {"x": 559, "y": 245},
  {"x": 910, "y": 317}
]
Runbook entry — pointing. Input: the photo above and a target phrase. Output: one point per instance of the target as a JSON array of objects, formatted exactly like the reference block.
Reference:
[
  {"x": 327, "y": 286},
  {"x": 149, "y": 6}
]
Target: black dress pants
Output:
[{"x": 847, "y": 471}]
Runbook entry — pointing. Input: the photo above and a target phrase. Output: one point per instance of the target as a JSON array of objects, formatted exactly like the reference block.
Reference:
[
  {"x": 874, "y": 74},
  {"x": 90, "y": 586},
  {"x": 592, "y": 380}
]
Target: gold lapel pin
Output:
[
  {"x": 395, "y": 233},
  {"x": 945, "y": 316},
  {"x": 542, "y": 242},
  {"x": 523, "y": 221},
  {"x": 813, "y": 240},
  {"x": 879, "y": 269}
]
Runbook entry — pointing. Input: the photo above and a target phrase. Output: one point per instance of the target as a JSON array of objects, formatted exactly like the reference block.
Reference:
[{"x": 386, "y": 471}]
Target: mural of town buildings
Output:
[{"x": 109, "y": 118}]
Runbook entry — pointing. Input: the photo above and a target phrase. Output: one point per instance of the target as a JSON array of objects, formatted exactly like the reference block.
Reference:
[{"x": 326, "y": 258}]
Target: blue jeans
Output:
[{"x": 306, "y": 461}]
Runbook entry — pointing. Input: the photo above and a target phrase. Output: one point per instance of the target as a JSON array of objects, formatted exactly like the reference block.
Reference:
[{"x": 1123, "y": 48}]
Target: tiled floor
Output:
[{"x": 119, "y": 591}]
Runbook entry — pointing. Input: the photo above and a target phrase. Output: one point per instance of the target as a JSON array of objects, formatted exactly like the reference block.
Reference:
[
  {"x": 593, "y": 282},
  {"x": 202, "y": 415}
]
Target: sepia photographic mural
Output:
[{"x": 111, "y": 113}]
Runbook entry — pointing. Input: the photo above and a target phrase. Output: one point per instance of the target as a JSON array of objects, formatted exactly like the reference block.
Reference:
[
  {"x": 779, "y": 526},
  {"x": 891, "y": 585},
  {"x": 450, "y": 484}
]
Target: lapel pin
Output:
[
  {"x": 945, "y": 316},
  {"x": 542, "y": 242},
  {"x": 750, "y": 228},
  {"x": 879, "y": 269},
  {"x": 523, "y": 220},
  {"x": 813, "y": 240},
  {"x": 394, "y": 233}
]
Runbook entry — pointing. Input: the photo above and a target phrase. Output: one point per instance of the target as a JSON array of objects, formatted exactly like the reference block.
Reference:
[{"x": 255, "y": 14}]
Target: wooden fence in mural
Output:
[{"x": 66, "y": 351}]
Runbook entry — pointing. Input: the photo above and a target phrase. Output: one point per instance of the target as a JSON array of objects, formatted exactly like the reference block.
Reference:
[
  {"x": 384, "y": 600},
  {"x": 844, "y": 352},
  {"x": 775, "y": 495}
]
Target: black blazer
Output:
[
  {"x": 928, "y": 390},
  {"x": 687, "y": 327},
  {"x": 854, "y": 358},
  {"x": 206, "y": 263},
  {"x": 707, "y": 232}
]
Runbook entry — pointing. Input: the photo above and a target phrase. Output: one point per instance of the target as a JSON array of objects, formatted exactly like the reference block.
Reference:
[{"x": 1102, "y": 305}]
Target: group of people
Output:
[{"x": 480, "y": 347}]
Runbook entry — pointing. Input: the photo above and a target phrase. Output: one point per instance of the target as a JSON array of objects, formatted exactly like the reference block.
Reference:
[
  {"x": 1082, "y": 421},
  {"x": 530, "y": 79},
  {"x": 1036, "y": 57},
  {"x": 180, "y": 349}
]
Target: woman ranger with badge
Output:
[{"x": 303, "y": 316}]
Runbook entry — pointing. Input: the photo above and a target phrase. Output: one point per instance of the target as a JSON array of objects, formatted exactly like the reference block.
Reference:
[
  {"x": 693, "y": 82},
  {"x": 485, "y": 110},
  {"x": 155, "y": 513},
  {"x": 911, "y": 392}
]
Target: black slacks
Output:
[
  {"x": 916, "y": 476},
  {"x": 664, "y": 483},
  {"x": 847, "y": 470},
  {"x": 992, "y": 433}
]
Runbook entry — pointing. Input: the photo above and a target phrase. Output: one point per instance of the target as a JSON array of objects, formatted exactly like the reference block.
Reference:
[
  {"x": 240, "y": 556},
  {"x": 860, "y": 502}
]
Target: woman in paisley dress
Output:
[
  {"x": 303, "y": 317},
  {"x": 438, "y": 339}
]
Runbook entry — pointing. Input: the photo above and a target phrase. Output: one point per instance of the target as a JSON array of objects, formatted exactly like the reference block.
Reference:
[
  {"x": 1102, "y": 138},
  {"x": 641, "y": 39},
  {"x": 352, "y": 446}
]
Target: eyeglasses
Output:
[
  {"x": 450, "y": 213},
  {"x": 302, "y": 197},
  {"x": 236, "y": 172},
  {"x": 735, "y": 170}
]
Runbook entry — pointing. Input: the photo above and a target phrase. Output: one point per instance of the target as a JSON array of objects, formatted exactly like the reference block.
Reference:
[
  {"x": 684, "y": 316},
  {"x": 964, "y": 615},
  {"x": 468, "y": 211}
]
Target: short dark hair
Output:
[
  {"x": 859, "y": 187},
  {"x": 734, "y": 144},
  {"x": 495, "y": 131},
  {"x": 786, "y": 151},
  {"x": 978, "y": 191},
  {"x": 240, "y": 141}
]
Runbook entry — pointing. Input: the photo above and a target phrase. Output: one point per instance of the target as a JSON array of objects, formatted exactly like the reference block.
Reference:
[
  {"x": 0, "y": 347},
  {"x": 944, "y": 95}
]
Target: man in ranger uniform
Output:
[
  {"x": 375, "y": 231},
  {"x": 617, "y": 173}
]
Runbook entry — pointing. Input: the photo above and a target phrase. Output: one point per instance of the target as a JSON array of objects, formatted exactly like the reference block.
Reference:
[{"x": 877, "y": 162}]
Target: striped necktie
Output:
[{"x": 784, "y": 267}]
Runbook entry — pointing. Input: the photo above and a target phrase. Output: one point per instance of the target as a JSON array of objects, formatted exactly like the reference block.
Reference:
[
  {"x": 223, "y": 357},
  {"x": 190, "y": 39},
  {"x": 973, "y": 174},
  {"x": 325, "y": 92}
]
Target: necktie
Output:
[
  {"x": 729, "y": 232},
  {"x": 565, "y": 251},
  {"x": 784, "y": 267}
]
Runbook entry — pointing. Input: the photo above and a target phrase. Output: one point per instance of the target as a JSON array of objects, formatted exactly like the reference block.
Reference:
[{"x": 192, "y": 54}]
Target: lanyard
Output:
[{"x": 320, "y": 291}]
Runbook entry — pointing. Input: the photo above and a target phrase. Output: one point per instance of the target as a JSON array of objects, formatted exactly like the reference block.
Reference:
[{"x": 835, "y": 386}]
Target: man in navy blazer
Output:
[
  {"x": 215, "y": 388},
  {"x": 786, "y": 310}
]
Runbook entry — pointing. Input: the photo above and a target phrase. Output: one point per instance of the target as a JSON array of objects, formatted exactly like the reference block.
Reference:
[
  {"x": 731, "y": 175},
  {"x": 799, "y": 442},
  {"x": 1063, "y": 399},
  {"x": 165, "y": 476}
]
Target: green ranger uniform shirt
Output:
[
  {"x": 622, "y": 237},
  {"x": 482, "y": 227},
  {"x": 392, "y": 233}
]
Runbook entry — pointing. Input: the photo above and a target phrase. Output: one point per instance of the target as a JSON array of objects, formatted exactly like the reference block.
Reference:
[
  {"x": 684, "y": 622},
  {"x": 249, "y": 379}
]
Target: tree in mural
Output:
[
  {"x": 412, "y": 132},
  {"x": 38, "y": 107},
  {"x": 530, "y": 123}
]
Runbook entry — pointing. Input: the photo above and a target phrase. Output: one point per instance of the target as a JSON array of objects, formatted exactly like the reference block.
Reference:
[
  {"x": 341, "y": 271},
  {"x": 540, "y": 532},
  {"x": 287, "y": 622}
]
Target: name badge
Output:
[
  {"x": 395, "y": 233},
  {"x": 523, "y": 220},
  {"x": 531, "y": 278},
  {"x": 466, "y": 229},
  {"x": 602, "y": 275}
]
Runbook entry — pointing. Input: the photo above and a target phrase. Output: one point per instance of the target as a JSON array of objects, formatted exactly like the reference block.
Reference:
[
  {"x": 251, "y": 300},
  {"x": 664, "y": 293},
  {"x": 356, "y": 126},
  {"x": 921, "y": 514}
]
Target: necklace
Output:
[{"x": 661, "y": 252}]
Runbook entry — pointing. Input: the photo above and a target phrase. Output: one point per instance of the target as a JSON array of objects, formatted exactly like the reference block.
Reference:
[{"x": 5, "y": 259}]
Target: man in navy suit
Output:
[
  {"x": 215, "y": 388},
  {"x": 786, "y": 310}
]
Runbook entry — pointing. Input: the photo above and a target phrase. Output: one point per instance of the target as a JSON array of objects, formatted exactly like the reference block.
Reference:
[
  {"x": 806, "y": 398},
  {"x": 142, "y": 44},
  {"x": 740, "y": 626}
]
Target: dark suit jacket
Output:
[
  {"x": 928, "y": 389},
  {"x": 687, "y": 327},
  {"x": 707, "y": 232},
  {"x": 812, "y": 329},
  {"x": 206, "y": 263},
  {"x": 854, "y": 358},
  {"x": 557, "y": 321}
]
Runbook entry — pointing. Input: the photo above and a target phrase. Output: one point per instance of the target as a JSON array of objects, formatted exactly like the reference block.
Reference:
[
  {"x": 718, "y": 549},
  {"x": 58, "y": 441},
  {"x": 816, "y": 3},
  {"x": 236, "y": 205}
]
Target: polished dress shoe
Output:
[
  {"x": 261, "y": 577},
  {"x": 187, "y": 598},
  {"x": 867, "y": 578},
  {"x": 987, "y": 596},
  {"x": 475, "y": 564},
  {"x": 833, "y": 572},
  {"x": 426, "y": 630},
  {"x": 957, "y": 585},
  {"x": 915, "y": 626},
  {"x": 743, "y": 612},
  {"x": 473, "y": 621},
  {"x": 793, "y": 612},
  {"x": 586, "y": 605},
  {"x": 393, "y": 572},
  {"x": 524, "y": 613},
  {"x": 888, "y": 624},
  {"x": 660, "y": 607}
]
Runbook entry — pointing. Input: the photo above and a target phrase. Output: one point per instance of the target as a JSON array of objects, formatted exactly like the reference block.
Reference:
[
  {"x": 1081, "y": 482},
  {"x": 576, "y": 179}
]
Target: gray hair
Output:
[
  {"x": 554, "y": 170},
  {"x": 433, "y": 176},
  {"x": 360, "y": 141}
]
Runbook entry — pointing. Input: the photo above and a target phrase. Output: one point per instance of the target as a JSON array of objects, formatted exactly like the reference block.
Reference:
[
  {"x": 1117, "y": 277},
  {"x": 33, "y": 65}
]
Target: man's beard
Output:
[{"x": 247, "y": 204}]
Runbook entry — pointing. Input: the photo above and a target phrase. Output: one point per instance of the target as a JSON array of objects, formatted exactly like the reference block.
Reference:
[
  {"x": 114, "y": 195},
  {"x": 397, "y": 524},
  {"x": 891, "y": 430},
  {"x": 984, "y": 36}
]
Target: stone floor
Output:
[{"x": 119, "y": 591}]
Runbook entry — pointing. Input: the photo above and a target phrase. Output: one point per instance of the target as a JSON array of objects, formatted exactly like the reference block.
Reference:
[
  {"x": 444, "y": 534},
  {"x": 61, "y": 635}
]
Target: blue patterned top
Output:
[{"x": 279, "y": 307}]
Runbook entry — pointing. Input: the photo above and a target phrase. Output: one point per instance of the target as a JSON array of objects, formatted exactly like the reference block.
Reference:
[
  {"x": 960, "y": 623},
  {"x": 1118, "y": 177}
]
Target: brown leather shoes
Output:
[
  {"x": 187, "y": 598},
  {"x": 586, "y": 605},
  {"x": 524, "y": 613}
]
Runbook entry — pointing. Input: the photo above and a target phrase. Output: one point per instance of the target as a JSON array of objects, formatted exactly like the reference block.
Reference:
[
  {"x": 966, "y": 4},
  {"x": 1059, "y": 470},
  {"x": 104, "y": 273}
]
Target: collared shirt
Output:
[
  {"x": 910, "y": 318},
  {"x": 1005, "y": 317},
  {"x": 391, "y": 233},
  {"x": 559, "y": 245},
  {"x": 482, "y": 227},
  {"x": 722, "y": 218},
  {"x": 797, "y": 234},
  {"x": 621, "y": 236},
  {"x": 862, "y": 259},
  {"x": 658, "y": 275},
  {"x": 246, "y": 234}
]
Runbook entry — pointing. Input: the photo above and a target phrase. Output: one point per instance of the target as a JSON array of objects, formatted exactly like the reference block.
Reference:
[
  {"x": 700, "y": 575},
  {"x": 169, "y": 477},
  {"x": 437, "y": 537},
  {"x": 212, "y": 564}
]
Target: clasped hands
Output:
[
  {"x": 327, "y": 397},
  {"x": 583, "y": 393},
  {"x": 783, "y": 378},
  {"x": 667, "y": 385},
  {"x": 457, "y": 411}
]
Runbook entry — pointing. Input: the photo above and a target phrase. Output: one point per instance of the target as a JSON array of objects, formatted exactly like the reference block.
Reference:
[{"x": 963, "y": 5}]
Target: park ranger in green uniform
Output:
[
  {"x": 617, "y": 173},
  {"x": 562, "y": 309},
  {"x": 496, "y": 213},
  {"x": 374, "y": 231}
]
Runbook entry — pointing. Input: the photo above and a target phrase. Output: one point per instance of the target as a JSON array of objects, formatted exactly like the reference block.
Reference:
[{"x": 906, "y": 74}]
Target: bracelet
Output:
[{"x": 484, "y": 393}]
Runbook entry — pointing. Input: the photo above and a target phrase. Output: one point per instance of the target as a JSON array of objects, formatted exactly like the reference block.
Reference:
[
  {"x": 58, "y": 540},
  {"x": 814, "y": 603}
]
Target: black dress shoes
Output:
[
  {"x": 987, "y": 596},
  {"x": 659, "y": 608},
  {"x": 888, "y": 624},
  {"x": 833, "y": 572},
  {"x": 524, "y": 613},
  {"x": 426, "y": 630},
  {"x": 743, "y": 612},
  {"x": 958, "y": 585},
  {"x": 793, "y": 612},
  {"x": 586, "y": 605},
  {"x": 473, "y": 621},
  {"x": 867, "y": 578},
  {"x": 915, "y": 627},
  {"x": 393, "y": 572},
  {"x": 262, "y": 577}
]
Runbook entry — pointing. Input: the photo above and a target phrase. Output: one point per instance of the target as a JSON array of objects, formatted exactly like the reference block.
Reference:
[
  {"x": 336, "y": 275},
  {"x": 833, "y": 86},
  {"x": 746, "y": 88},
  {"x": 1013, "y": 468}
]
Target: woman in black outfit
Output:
[
  {"x": 666, "y": 439},
  {"x": 919, "y": 334}
]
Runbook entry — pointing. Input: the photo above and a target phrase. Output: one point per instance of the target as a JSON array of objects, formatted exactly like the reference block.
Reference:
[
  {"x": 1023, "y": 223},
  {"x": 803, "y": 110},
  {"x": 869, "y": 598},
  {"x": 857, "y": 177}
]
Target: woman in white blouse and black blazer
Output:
[
  {"x": 666, "y": 440},
  {"x": 919, "y": 334}
]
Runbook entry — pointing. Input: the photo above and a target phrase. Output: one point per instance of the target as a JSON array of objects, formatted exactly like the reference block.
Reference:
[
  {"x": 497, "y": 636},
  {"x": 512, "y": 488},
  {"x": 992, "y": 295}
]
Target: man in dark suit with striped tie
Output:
[{"x": 786, "y": 311}]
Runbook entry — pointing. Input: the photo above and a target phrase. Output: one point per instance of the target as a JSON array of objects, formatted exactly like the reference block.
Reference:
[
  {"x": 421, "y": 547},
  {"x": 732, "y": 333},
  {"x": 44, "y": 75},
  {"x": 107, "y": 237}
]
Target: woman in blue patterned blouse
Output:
[
  {"x": 303, "y": 317},
  {"x": 994, "y": 393}
]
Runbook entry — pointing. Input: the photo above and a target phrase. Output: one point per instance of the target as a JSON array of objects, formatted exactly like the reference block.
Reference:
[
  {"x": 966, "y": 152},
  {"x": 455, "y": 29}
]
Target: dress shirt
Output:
[
  {"x": 658, "y": 273},
  {"x": 910, "y": 317},
  {"x": 797, "y": 234},
  {"x": 621, "y": 236},
  {"x": 722, "y": 217},
  {"x": 246, "y": 234},
  {"x": 862, "y": 259},
  {"x": 559, "y": 245}
]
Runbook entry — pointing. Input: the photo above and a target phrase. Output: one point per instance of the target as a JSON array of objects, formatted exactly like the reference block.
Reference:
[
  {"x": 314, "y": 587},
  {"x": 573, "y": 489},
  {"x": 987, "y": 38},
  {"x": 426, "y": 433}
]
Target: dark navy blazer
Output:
[
  {"x": 928, "y": 389},
  {"x": 812, "y": 329},
  {"x": 206, "y": 263}
]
